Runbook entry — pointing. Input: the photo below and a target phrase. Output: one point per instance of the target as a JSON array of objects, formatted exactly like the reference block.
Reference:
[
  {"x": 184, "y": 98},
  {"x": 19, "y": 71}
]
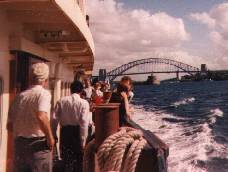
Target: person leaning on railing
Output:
[
  {"x": 121, "y": 96},
  {"x": 127, "y": 81}
]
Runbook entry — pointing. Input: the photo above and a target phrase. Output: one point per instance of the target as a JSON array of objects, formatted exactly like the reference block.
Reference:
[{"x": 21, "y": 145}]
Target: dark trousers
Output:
[
  {"x": 71, "y": 148},
  {"x": 32, "y": 155}
]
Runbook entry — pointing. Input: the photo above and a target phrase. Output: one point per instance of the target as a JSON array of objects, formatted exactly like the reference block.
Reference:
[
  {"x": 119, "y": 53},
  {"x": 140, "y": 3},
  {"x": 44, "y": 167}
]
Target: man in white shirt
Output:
[
  {"x": 28, "y": 118},
  {"x": 72, "y": 112}
]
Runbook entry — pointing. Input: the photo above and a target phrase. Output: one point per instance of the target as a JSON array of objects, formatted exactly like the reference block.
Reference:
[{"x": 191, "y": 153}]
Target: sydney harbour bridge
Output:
[{"x": 150, "y": 66}]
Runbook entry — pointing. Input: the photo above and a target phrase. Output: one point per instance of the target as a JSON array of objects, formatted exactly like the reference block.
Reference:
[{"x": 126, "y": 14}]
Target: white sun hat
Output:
[{"x": 40, "y": 71}]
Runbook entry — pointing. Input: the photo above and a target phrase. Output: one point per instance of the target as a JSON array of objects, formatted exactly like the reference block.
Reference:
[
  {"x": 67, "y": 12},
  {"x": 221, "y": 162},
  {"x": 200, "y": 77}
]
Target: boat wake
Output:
[
  {"x": 215, "y": 113},
  {"x": 192, "y": 145},
  {"x": 184, "y": 101}
]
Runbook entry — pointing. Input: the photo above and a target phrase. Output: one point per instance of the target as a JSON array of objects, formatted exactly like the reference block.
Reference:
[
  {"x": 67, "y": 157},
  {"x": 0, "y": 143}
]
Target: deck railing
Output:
[{"x": 160, "y": 148}]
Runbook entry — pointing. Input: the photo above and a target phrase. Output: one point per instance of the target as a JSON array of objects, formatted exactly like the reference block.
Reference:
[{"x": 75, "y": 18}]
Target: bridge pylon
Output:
[
  {"x": 203, "y": 69},
  {"x": 178, "y": 75},
  {"x": 102, "y": 75}
]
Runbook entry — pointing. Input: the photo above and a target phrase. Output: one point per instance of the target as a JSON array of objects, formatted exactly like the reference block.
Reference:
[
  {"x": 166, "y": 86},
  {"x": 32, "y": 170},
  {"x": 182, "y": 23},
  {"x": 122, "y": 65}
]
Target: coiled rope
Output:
[{"x": 119, "y": 152}]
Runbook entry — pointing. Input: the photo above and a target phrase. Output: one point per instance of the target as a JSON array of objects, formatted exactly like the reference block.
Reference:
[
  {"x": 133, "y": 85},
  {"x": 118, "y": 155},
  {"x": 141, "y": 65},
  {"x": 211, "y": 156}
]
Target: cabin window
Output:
[
  {"x": 24, "y": 61},
  {"x": 1, "y": 106}
]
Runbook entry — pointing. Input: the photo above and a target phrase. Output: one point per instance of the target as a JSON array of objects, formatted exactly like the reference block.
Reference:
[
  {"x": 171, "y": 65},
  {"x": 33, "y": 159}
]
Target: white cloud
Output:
[
  {"x": 203, "y": 18},
  {"x": 220, "y": 40},
  {"x": 220, "y": 15},
  {"x": 122, "y": 35},
  {"x": 217, "y": 20}
]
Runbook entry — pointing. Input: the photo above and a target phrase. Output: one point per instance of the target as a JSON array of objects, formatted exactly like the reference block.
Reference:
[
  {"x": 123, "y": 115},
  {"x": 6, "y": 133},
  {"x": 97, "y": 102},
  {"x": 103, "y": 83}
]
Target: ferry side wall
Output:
[
  {"x": 8, "y": 30},
  {"x": 4, "y": 74}
]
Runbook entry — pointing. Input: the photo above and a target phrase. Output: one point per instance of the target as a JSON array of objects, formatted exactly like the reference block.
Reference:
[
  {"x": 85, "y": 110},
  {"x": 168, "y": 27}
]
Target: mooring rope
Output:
[{"x": 119, "y": 152}]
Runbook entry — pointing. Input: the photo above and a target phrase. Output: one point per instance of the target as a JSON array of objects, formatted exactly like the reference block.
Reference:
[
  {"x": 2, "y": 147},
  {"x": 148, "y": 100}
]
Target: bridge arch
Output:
[{"x": 123, "y": 68}]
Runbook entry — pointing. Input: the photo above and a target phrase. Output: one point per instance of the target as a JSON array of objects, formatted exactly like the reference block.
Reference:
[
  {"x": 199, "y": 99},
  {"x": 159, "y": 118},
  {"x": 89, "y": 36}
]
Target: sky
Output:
[{"x": 190, "y": 31}]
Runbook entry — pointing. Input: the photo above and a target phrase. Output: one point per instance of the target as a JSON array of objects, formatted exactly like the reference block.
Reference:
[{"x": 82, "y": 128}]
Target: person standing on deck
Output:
[
  {"x": 29, "y": 116},
  {"x": 105, "y": 87},
  {"x": 97, "y": 94},
  {"x": 88, "y": 89},
  {"x": 97, "y": 89},
  {"x": 72, "y": 112}
]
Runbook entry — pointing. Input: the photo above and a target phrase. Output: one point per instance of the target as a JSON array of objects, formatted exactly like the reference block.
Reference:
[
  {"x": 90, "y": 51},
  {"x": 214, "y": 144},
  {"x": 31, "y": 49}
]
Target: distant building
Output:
[{"x": 203, "y": 69}]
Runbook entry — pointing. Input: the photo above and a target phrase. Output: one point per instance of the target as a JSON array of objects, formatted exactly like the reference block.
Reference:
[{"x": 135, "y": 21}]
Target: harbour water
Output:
[{"x": 192, "y": 118}]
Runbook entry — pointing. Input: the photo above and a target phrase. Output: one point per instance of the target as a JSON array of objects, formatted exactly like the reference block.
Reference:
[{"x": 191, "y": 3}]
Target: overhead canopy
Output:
[{"x": 57, "y": 25}]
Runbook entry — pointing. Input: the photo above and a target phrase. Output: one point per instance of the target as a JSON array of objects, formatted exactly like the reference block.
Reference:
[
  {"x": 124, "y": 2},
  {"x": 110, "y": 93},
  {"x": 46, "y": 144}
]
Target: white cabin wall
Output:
[
  {"x": 11, "y": 35},
  {"x": 66, "y": 73},
  {"x": 4, "y": 74}
]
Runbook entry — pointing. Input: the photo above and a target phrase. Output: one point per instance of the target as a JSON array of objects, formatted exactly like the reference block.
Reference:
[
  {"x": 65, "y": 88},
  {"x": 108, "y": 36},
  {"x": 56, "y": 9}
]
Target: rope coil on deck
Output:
[{"x": 119, "y": 152}]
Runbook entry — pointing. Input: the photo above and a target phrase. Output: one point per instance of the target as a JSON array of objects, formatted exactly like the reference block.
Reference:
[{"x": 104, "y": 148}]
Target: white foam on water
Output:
[
  {"x": 217, "y": 112},
  {"x": 189, "y": 145},
  {"x": 184, "y": 101}
]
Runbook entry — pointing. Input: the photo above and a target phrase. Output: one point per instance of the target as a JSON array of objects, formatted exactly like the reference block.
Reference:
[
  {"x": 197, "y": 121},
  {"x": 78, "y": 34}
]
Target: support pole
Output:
[{"x": 106, "y": 121}]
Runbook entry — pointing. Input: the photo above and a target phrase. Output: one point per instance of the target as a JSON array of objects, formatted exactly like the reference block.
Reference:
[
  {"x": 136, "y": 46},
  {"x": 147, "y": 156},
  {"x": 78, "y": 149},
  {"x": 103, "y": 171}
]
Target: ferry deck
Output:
[{"x": 52, "y": 31}]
